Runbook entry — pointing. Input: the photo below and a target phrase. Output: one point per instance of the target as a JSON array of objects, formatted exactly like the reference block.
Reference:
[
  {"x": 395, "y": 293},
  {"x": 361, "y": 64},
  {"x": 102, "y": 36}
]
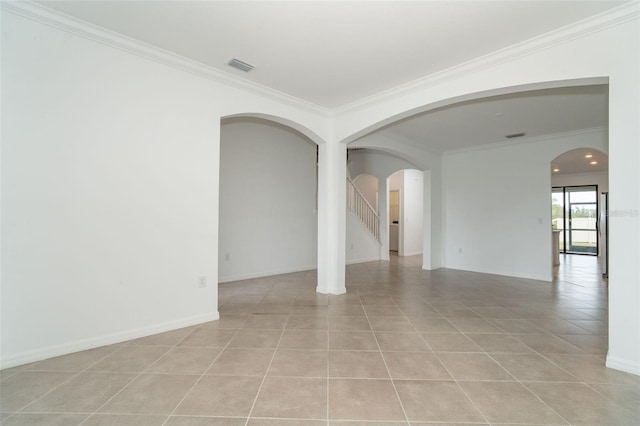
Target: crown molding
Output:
[
  {"x": 611, "y": 18},
  {"x": 523, "y": 141},
  {"x": 67, "y": 23},
  {"x": 86, "y": 30}
]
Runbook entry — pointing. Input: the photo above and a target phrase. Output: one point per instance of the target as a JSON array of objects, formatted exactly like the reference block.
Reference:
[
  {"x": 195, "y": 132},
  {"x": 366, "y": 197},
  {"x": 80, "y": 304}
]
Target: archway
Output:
[
  {"x": 580, "y": 187},
  {"x": 268, "y": 199}
]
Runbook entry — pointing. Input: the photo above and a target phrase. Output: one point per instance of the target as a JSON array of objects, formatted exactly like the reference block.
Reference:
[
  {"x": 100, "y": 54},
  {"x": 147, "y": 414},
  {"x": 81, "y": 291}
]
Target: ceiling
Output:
[
  {"x": 489, "y": 120},
  {"x": 333, "y": 53},
  {"x": 579, "y": 161}
]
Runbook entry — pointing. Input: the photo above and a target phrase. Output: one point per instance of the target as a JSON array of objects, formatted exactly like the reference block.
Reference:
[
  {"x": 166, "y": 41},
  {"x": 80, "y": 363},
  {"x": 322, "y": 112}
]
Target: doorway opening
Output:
[
  {"x": 405, "y": 212},
  {"x": 575, "y": 216}
]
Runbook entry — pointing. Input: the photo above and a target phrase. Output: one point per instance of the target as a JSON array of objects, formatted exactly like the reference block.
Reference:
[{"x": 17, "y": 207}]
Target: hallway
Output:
[{"x": 403, "y": 346}]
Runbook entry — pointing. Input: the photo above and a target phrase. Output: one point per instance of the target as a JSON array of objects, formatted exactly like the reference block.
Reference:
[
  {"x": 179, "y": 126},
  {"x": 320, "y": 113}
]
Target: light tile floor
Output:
[{"x": 403, "y": 346}]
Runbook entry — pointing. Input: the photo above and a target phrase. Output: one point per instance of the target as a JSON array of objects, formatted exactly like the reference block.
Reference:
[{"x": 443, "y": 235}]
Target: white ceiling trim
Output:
[
  {"x": 136, "y": 47},
  {"x": 526, "y": 140},
  {"x": 585, "y": 27},
  {"x": 70, "y": 24}
]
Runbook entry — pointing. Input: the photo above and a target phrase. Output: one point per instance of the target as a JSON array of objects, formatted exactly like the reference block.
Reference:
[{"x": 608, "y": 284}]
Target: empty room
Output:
[{"x": 320, "y": 213}]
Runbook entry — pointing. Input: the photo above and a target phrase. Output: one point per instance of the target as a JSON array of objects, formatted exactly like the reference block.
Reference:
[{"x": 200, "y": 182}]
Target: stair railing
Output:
[{"x": 359, "y": 206}]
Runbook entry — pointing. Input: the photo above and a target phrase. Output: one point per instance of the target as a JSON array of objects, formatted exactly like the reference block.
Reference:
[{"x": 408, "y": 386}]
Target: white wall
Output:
[
  {"x": 52, "y": 78},
  {"x": 268, "y": 220},
  {"x": 110, "y": 168},
  {"x": 412, "y": 211},
  {"x": 109, "y": 195},
  {"x": 497, "y": 205},
  {"x": 368, "y": 185},
  {"x": 361, "y": 245}
]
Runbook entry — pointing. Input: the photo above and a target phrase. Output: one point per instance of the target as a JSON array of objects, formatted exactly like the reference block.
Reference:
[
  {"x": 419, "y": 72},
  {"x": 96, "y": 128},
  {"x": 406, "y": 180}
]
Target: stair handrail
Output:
[{"x": 358, "y": 204}]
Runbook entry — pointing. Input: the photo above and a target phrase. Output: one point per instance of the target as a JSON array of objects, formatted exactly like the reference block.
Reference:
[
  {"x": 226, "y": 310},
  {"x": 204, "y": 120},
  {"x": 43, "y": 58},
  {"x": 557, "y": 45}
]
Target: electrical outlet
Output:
[{"x": 202, "y": 282}]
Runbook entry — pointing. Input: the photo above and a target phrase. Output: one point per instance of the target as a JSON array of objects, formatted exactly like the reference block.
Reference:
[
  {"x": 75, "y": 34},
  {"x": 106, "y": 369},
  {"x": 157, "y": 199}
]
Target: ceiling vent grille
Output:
[
  {"x": 242, "y": 66},
  {"x": 514, "y": 135}
]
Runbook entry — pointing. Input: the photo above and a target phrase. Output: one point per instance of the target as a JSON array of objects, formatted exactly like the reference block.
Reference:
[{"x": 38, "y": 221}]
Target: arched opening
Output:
[
  {"x": 579, "y": 195},
  {"x": 268, "y": 203}
]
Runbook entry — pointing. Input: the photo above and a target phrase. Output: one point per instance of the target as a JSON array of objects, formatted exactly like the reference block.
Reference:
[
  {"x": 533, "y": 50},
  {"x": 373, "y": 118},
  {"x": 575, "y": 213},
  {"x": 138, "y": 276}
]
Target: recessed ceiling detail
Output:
[{"x": 576, "y": 161}]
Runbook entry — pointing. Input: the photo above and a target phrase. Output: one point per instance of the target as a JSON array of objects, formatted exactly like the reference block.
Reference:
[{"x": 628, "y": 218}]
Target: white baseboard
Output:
[
  {"x": 354, "y": 261},
  {"x": 537, "y": 277},
  {"x": 108, "y": 339},
  {"x": 623, "y": 365},
  {"x": 411, "y": 253},
  {"x": 252, "y": 275},
  {"x": 323, "y": 290}
]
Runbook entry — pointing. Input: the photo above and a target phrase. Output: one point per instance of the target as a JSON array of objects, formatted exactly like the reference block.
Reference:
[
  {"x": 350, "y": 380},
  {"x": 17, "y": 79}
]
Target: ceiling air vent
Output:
[
  {"x": 514, "y": 135},
  {"x": 242, "y": 66}
]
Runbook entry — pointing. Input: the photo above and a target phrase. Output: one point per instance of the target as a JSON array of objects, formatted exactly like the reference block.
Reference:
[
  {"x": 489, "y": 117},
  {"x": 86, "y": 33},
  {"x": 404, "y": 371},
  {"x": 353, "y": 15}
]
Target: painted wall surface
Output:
[
  {"x": 412, "y": 212},
  {"x": 361, "y": 245},
  {"x": 110, "y": 166},
  {"x": 109, "y": 195},
  {"x": 368, "y": 185},
  {"x": 497, "y": 205},
  {"x": 268, "y": 221}
]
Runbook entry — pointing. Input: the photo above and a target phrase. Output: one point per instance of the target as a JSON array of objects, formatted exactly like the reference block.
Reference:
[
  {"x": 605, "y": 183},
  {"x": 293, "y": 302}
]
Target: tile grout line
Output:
[
  {"x": 395, "y": 389},
  {"x": 77, "y": 374},
  {"x": 204, "y": 373},
  {"x": 515, "y": 378},
  {"x": 447, "y": 369},
  {"x": 266, "y": 373}
]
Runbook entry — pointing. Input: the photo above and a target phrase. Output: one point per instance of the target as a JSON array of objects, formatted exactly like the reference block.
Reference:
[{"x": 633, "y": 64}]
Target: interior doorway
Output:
[
  {"x": 394, "y": 220},
  {"x": 575, "y": 216},
  {"x": 405, "y": 217}
]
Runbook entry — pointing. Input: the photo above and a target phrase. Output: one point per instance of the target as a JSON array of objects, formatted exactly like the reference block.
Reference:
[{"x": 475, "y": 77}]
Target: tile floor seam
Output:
[
  {"x": 454, "y": 379},
  {"x": 448, "y": 292},
  {"x": 266, "y": 374},
  {"x": 395, "y": 389},
  {"x": 144, "y": 371},
  {"x": 77, "y": 374}
]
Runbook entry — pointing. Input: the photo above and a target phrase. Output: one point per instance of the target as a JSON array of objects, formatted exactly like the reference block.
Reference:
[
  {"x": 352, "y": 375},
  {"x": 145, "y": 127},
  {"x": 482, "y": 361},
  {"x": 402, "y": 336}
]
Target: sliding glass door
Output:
[{"x": 575, "y": 214}]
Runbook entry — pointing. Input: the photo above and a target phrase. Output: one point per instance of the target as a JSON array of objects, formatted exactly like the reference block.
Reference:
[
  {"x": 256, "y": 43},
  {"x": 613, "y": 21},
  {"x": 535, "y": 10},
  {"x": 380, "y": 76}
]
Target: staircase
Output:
[{"x": 360, "y": 207}]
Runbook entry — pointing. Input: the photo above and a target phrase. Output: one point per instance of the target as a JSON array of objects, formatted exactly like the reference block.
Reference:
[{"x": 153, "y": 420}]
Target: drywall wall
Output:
[
  {"x": 361, "y": 245},
  {"x": 497, "y": 205},
  {"x": 110, "y": 168},
  {"x": 368, "y": 185},
  {"x": 110, "y": 195},
  {"x": 268, "y": 220}
]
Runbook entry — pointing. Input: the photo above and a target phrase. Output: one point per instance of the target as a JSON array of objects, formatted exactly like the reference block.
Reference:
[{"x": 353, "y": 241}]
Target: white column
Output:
[
  {"x": 332, "y": 166},
  {"x": 624, "y": 220},
  {"x": 432, "y": 222}
]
